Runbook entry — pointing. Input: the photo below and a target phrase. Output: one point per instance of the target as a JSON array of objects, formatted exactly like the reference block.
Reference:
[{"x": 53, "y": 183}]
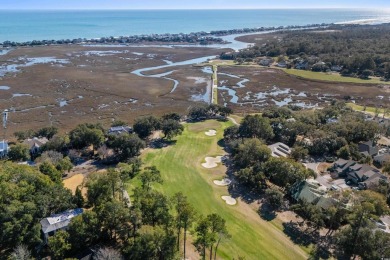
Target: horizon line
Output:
[{"x": 190, "y": 9}]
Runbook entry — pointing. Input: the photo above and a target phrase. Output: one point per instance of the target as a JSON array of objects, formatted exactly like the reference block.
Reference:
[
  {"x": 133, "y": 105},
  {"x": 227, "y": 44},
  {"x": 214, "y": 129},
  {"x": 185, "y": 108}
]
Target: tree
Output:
[
  {"x": 144, "y": 126},
  {"x": 22, "y": 135},
  {"x": 185, "y": 217},
  {"x": 102, "y": 187},
  {"x": 78, "y": 198},
  {"x": 256, "y": 126},
  {"x": 21, "y": 211},
  {"x": 250, "y": 152},
  {"x": 173, "y": 116},
  {"x": 299, "y": 153},
  {"x": 204, "y": 238},
  {"x": 344, "y": 152},
  {"x": 19, "y": 153},
  {"x": 209, "y": 230},
  {"x": 285, "y": 173},
  {"x": 114, "y": 220},
  {"x": 59, "y": 244},
  {"x": 21, "y": 252},
  {"x": 64, "y": 165},
  {"x": 47, "y": 132},
  {"x": 106, "y": 253},
  {"x": 131, "y": 169},
  {"x": 118, "y": 123},
  {"x": 85, "y": 135},
  {"x": 218, "y": 230},
  {"x": 149, "y": 176},
  {"x": 154, "y": 207},
  {"x": 84, "y": 230},
  {"x": 171, "y": 128},
  {"x": 57, "y": 143},
  {"x": 48, "y": 169},
  {"x": 198, "y": 112},
  {"x": 230, "y": 133},
  {"x": 274, "y": 198},
  {"x": 50, "y": 156},
  {"x": 125, "y": 146}
]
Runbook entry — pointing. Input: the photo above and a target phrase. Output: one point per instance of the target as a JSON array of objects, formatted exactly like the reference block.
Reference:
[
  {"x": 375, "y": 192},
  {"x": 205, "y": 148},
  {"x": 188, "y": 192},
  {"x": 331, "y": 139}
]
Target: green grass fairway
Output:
[
  {"x": 371, "y": 110},
  {"x": 181, "y": 169},
  {"x": 331, "y": 77}
]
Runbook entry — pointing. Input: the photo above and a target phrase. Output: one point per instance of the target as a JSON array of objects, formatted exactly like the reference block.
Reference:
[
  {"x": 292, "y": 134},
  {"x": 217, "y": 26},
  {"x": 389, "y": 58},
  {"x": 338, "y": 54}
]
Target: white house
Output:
[
  {"x": 58, "y": 222},
  {"x": 280, "y": 150}
]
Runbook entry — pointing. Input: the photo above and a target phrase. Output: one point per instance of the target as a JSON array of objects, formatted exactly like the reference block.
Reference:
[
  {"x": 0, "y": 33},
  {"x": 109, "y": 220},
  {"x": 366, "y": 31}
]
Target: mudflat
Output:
[{"x": 71, "y": 84}]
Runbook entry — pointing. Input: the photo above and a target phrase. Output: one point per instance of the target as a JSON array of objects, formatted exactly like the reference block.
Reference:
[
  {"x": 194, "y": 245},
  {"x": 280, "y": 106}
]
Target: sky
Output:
[{"x": 189, "y": 4}]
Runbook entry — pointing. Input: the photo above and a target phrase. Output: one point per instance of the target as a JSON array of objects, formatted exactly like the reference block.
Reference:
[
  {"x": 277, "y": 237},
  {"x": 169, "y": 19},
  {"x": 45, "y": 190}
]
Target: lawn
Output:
[
  {"x": 331, "y": 77},
  {"x": 181, "y": 169},
  {"x": 371, "y": 110}
]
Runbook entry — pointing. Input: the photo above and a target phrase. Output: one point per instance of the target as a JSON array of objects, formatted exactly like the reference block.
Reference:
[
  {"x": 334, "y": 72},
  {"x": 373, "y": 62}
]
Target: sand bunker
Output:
[
  {"x": 211, "y": 132},
  {"x": 229, "y": 200},
  {"x": 223, "y": 182},
  {"x": 212, "y": 162}
]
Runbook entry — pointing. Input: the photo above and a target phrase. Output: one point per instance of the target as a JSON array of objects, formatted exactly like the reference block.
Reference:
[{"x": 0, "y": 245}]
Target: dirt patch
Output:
[
  {"x": 323, "y": 167},
  {"x": 73, "y": 182}
]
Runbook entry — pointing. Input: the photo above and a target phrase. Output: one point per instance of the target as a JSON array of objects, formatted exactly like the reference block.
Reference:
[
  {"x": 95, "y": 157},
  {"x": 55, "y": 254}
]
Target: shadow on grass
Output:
[
  {"x": 266, "y": 212},
  {"x": 221, "y": 143},
  {"x": 162, "y": 143},
  {"x": 298, "y": 236},
  {"x": 239, "y": 191}
]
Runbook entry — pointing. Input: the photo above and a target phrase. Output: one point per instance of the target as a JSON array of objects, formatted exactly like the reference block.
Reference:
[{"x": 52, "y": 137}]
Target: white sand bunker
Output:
[
  {"x": 223, "y": 182},
  {"x": 211, "y": 133},
  {"x": 229, "y": 200},
  {"x": 212, "y": 162}
]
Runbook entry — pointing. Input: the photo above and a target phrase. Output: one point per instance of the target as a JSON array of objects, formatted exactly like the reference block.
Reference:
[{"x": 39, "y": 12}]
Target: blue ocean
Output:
[{"x": 54, "y": 25}]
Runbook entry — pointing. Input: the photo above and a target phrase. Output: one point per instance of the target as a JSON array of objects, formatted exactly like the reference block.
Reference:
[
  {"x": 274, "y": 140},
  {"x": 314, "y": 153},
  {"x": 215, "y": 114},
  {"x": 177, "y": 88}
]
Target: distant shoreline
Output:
[{"x": 197, "y": 38}]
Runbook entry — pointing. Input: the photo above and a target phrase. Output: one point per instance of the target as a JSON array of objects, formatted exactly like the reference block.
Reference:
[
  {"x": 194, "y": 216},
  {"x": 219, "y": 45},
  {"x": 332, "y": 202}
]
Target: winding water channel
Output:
[{"x": 233, "y": 44}]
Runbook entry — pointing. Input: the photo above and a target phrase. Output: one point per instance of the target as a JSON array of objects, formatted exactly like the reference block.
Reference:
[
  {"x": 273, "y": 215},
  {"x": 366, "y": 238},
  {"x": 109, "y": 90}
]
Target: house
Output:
[
  {"x": 35, "y": 144},
  {"x": 362, "y": 175},
  {"x": 368, "y": 148},
  {"x": 313, "y": 192},
  {"x": 282, "y": 64},
  {"x": 336, "y": 68},
  {"x": 58, "y": 222},
  {"x": 4, "y": 148},
  {"x": 381, "y": 159},
  {"x": 266, "y": 62},
  {"x": 341, "y": 167},
  {"x": 118, "y": 130},
  {"x": 303, "y": 65},
  {"x": 280, "y": 150}
]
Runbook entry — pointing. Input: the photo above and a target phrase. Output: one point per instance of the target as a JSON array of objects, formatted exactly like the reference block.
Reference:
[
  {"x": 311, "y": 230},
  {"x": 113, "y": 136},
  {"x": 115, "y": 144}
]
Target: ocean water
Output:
[{"x": 39, "y": 25}]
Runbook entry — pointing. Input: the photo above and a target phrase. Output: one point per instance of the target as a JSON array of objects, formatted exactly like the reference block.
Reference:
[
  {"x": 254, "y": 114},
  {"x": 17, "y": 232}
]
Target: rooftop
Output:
[
  {"x": 58, "y": 221},
  {"x": 280, "y": 150}
]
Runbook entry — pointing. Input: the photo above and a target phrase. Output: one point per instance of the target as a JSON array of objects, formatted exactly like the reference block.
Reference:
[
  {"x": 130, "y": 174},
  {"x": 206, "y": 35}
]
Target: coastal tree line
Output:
[{"x": 357, "y": 50}]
